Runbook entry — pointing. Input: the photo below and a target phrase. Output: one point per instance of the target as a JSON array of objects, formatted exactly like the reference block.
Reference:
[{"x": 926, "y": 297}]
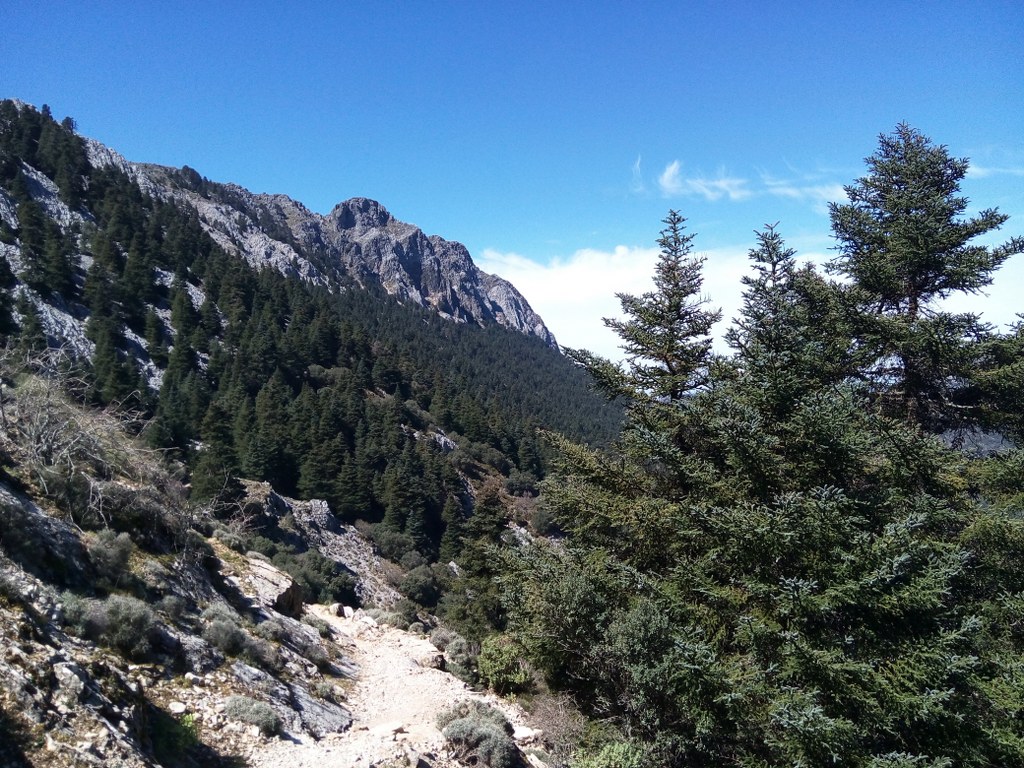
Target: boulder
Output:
[
  {"x": 320, "y": 718},
  {"x": 270, "y": 587}
]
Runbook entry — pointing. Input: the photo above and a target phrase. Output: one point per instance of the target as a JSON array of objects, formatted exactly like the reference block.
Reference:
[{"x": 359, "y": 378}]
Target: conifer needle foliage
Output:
[{"x": 779, "y": 564}]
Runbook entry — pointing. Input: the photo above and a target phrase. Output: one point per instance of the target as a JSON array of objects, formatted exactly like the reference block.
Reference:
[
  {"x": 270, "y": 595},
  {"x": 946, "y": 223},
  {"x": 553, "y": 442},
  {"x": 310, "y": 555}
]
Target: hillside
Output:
[
  {"x": 216, "y": 409},
  {"x": 347, "y": 357},
  {"x": 140, "y": 629}
]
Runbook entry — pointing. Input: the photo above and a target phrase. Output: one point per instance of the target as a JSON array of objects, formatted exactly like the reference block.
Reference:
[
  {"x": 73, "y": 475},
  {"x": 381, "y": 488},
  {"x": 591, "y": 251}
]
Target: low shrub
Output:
[
  {"x": 110, "y": 553},
  {"x": 441, "y": 636},
  {"x": 474, "y": 709},
  {"x": 391, "y": 544},
  {"x": 220, "y": 611},
  {"x": 420, "y": 586},
  {"x": 125, "y": 624},
  {"x": 271, "y": 629},
  {"x": 261, "y": 653},
  {"x": 225, "y": 636},
  {"x": 327, "y": 691},
  {"x": 460, "y": 659},
  {"x": 479, "y": 733},
  {"x": 322, "y": 627},
  {"x": 258, "y": 713},
  {"x": 618, "y": 754},
  {"x": 172, "y": 737},
  {"x": 172, "y": 606},
  {"x": 501, "y": 665},
  {"x": 230, "y": 539}
]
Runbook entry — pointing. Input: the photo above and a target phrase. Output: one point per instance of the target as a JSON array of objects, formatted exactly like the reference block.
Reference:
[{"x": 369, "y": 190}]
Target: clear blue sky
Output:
[{"x": 544, "y": 135}]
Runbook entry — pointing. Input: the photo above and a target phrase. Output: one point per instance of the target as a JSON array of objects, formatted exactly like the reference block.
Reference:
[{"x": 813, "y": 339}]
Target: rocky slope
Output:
[
  {"x": 359, "y": 240},
  {"x": 140, "y": 629}
]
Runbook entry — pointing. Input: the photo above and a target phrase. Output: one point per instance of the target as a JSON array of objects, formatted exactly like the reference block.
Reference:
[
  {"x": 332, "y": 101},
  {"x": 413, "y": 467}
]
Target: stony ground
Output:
[{"x": 394, "y": 699}]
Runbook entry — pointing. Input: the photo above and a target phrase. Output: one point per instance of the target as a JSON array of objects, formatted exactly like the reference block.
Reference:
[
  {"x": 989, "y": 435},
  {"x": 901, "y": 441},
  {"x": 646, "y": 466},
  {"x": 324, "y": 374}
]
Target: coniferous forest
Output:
[{"x": 799, "y": 552}]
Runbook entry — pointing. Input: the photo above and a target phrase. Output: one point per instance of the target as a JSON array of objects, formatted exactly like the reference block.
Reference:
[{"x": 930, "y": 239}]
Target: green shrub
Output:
[
  {"x": 501, "y": 665},
  {"x": 171, "y": 737},
  {"x": 479, "y": 733},
  {"x": 226, "y": 636},
  {"x": 441, "y": 636},
  {"x": 323, "y": 580},
  {"x": 110, "y": 553},
  {"x": 271, "y": 629},
  {"x": 220, "y": 611},
  {"x": 474, "y": 709},
  {"x": 73, "y": 608},
  {"x": 420, "y": 586},
  {"x": 413, "y": 559},
  {"x": 416, "y": 628},
  {"x": 618, "y": 754},
  {"x": 326, "y": 691},
  {"x": 230, "y": 539},
  {"x": 460, "y": 659},
  {"x": 261, "y": 653},
  {"x": 322, "y": 627},
  {"x": 119, "y": 622},
  {"x": 172, "y": 606},
  {"x": 258, "y": 713},
  {"x": 392, "y": 544}
]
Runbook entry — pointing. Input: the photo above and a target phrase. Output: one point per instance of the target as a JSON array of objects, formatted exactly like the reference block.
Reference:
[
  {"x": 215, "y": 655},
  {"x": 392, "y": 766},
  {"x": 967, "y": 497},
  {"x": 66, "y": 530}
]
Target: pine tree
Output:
[
  {"x": 776, "y": 574},
  {"x": 904, "y": 244},
  {"x": 666, "y": 332}
]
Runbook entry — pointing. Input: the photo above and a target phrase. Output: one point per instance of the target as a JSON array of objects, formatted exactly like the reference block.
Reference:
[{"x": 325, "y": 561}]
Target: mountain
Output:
[
  {"x": 359, "y": 239},
  {"x": 216, "y": 406},
  {"x": 346, "y": 357}
]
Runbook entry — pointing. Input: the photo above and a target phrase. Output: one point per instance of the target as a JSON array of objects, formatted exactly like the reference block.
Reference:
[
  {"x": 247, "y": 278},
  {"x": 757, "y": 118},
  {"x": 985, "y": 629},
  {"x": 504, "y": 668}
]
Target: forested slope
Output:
[{"x": 333, "y": 390}]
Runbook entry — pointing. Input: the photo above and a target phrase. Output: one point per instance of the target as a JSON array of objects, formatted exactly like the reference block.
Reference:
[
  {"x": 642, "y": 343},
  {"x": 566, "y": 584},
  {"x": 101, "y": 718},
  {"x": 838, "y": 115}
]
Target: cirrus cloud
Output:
[{"x": 672, "y": 184}]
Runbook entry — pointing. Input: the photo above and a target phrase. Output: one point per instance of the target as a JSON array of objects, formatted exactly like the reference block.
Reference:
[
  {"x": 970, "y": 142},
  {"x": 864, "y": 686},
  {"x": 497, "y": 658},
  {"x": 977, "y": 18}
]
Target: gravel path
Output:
[{"x": 394, "y": 702}]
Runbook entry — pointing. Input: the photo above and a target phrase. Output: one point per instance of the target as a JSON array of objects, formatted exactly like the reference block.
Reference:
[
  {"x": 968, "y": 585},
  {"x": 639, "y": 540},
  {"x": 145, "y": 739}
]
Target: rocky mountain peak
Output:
[
  {"x": 360, "y": 213},
  {"x": 358, "y": 240}
]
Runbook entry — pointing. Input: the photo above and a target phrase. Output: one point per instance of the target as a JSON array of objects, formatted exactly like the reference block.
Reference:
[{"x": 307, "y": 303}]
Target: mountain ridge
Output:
[{"x": 359, "y": 239}]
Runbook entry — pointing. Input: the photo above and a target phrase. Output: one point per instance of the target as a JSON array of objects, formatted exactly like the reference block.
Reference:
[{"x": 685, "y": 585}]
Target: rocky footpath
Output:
[{"x": 398, "y": 691}]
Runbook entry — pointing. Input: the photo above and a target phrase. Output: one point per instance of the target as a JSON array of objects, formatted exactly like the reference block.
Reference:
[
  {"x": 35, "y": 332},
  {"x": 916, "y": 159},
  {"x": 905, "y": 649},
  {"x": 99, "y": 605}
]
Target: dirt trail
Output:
[{"x": 394, "y": 702}]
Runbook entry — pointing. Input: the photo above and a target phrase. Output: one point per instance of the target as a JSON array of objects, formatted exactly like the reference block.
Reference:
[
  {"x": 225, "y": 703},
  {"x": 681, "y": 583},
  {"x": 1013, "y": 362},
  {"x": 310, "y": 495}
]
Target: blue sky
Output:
[{"x": 550, "y": 138}]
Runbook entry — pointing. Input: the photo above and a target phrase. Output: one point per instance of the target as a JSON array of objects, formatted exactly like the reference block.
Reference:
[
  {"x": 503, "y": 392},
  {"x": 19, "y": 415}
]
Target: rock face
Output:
[
  {"x": 271, "y": 588},
  {"x": 358, "y": 241}
]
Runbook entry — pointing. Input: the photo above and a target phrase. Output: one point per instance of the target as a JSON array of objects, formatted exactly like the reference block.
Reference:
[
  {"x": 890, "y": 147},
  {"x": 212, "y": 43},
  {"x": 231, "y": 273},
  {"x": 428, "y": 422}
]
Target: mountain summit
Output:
[{"x": 359, "y": 240}]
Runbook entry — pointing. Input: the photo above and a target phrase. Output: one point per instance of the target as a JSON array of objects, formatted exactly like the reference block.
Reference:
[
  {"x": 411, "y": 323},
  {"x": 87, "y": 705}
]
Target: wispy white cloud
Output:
[
  {"x": 808, "y": 188},
  {"x": 672, "y": 183},
  {"x": 983, "y": 171},
  {"x": 637, "y": 186}
]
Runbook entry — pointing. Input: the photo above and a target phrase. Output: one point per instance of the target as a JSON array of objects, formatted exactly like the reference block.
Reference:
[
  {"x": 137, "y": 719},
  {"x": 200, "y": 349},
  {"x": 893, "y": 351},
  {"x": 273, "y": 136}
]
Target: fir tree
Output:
[
  {"x": 904, "y": 244},
  {"x": 666, "y": 333},
  {"x": 773, "y": 573}
]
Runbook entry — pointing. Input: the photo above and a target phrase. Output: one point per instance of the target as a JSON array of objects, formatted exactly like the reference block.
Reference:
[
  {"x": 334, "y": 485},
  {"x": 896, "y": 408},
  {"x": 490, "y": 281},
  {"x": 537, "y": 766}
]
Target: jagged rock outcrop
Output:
[{"x": 359, "y": 240}]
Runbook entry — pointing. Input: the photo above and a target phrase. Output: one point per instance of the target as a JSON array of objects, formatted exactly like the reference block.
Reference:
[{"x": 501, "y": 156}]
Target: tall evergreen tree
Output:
[
  {"x": 904, "y": 244},
  {"x": 797, "y": 581},
  {"x": 666, "y": 334}
]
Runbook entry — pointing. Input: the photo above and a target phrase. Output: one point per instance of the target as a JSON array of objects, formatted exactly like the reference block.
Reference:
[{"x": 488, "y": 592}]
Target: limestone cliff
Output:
[{"x": 359, "y": 240}]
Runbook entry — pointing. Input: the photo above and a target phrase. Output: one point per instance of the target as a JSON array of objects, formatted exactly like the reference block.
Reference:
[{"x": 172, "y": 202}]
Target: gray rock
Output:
[
  {"x": 71, "y": 684},
  {"x": 200, "y": 657},
  {"x": 359, "y": 239},
  {"x": 319, "y": 718}
]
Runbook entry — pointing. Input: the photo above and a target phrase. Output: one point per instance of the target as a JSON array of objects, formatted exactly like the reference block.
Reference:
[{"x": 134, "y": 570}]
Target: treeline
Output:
[
  {"x": 245, "y": 373},
  {"x": 785, "y": 560}
]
